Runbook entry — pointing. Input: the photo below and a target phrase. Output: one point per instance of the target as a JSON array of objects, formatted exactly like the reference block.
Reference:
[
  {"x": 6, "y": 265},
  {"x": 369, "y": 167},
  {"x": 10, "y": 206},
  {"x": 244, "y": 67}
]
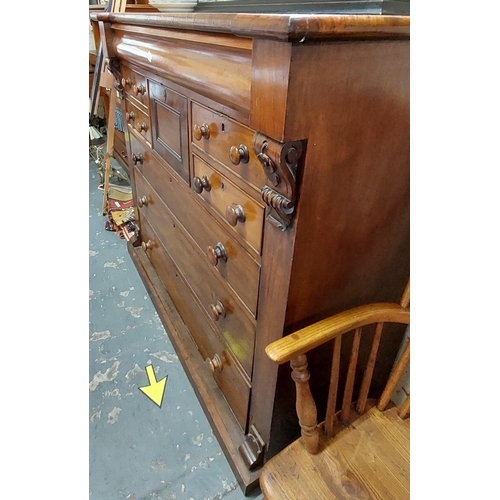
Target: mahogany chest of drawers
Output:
[{"x": 269, "y": 160}]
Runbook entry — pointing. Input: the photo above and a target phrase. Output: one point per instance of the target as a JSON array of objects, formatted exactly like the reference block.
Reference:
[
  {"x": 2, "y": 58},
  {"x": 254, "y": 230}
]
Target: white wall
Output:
[{"x": 403, "y": 388}]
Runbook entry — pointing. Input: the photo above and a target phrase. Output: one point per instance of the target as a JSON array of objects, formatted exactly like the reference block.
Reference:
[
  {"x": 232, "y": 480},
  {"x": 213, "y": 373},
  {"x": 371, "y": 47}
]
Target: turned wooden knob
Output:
[
  {"x": 217, "y": 311},
  {"x": 217, "y": 252},
  {"x": 143, "y": 200},
  {"x": 142, "y": 126},
  {"x": 139, "y": 89},
  {"x": 238, "y": 154},
  {"x": 130, "y": 116},
  {"x": 201, "y": 184},
  {"x": 214, "y": 364},
  {"x": 200, "y": 131},
  {"x": 137, "y": 158},
  {"x": 235, "y": 214},
  {"x": 147, "y": 245},
  {"x": 126, "y": 82}
]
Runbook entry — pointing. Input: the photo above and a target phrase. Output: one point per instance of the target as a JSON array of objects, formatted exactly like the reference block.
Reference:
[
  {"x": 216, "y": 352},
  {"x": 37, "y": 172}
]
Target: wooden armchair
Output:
[{"x": 361, "y": 451}]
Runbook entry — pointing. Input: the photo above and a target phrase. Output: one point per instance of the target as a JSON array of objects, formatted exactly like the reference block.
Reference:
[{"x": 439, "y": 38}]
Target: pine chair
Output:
[{"x": 362, "y": 451}]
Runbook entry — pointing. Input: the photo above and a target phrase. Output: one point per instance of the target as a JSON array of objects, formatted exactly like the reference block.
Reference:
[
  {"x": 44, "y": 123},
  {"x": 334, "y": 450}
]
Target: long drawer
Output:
[
  {"x": 240, "y": 212},
  {"x": 231, "y": 380},
  {"x": 234, "y": 323},
  {"x": 239, "y": 269}
]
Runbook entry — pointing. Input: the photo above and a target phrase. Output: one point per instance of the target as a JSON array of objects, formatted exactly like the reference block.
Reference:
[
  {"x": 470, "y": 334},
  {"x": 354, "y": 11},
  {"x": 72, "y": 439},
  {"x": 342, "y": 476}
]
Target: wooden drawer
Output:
[
  {"x": 239, "y": 211},
  {"x": 137, "y": 119},
  {"x": 169, "y": 127},
  {"x": 240, "y": 270},
  {"x": 234, "y": 323},
  {"x": 222, "y": 141},
  {"x": 119, "y": 147},
  {"x": 136, "y": 86},
  {"x": 231, "y": 380}
]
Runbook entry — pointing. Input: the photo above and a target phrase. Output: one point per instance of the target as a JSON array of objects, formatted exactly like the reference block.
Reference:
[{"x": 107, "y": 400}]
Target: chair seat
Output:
[{"x": 370, "y": 459}]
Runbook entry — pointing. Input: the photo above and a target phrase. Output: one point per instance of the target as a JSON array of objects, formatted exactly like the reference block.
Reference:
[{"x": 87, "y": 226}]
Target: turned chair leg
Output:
[{"x": 306, "y": 408}]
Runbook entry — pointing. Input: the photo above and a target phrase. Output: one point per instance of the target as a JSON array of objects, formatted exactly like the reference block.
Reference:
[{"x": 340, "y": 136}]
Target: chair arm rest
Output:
[{"x": 302, "y": 341}]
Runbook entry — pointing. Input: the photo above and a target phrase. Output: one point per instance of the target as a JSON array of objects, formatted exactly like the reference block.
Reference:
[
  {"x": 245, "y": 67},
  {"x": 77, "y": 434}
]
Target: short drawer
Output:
[
  {"x": 239, "y": 211},
  {"x": 239, "y": 269},
  {"x": 227, "y": 141},
  {"x": 137, "y": 120},
  {"x": 135, "y": 85},
  {"x": 119, "y": 147},
  {"x": 226, "y": 371},
  {"x": 234, "y": 323}
]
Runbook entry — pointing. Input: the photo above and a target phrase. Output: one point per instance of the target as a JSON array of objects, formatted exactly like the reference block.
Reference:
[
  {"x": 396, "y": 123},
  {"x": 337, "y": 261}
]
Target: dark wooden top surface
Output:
[{"x": 287, "y": 27}]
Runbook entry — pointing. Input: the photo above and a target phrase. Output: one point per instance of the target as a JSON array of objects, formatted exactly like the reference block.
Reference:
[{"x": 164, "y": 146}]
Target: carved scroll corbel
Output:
[
  {"x": 115, "y": 69},
  {"x": 280, "y": 162}
]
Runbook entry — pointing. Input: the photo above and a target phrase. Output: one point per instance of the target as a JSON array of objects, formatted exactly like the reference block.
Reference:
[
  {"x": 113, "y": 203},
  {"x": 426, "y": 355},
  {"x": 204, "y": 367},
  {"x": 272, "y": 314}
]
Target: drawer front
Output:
[
  {"x": 136, "y": 86},
  {"x": 228, "y": 142},
  {"x": 234, "y": 323},
  {"x": 239, "y": 269},
  {"x": 231, "y": 380},
  {"x": 239, "y": 211},
  {"x": 169, "y": 127},
  {"x": 137, "y": 120},
  {"x": 119, "y": 147}
]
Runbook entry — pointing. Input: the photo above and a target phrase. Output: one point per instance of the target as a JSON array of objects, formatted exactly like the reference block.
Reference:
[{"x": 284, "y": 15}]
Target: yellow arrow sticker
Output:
[{"x": 155, "y": 389}]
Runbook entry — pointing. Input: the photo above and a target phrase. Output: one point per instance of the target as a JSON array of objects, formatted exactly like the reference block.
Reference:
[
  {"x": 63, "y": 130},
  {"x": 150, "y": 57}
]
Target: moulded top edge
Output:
[{"x": 287, "y": 27}]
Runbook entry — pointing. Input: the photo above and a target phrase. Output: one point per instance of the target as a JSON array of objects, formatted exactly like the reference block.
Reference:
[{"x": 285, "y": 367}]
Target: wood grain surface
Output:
[
  {"x": 221, "y": 417},
  {"x": 368, "y": 460},
  {"x": 241, "y": 270},
  {"x": 237, "y": 327},
  {"x": 338, "y": 84},
  {"x": 312, "y": 336},
  {"x": 287, "y": 27}
]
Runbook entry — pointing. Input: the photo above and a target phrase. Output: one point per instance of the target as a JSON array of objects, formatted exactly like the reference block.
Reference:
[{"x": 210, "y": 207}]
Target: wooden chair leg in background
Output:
[{"x": 109, "y": 149}]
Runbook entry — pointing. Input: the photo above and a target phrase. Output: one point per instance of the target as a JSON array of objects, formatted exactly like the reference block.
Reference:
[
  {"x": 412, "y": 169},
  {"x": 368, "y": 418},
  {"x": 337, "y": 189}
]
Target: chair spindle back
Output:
[{"x": 294, "y": 348}]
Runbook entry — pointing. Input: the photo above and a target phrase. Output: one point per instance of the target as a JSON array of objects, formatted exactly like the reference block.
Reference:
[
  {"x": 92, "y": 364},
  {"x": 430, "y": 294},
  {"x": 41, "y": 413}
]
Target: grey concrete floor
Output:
[{"x": 138, "y": 450}]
